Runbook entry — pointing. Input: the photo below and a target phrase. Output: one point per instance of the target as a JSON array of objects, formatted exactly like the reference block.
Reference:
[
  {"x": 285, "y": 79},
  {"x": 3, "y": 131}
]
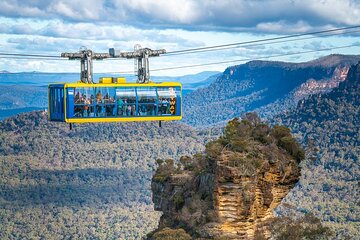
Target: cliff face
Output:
[
  {"x": 322, "y": 86},
  {"x": 232, "y": 189},
  {"x": 243, "y": 202}
]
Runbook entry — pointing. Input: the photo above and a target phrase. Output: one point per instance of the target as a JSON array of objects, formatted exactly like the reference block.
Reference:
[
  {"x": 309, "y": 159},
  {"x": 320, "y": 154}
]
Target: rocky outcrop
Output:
[
  {"x": 243, "y": 202},
  {"x": 232, "y": 189}
]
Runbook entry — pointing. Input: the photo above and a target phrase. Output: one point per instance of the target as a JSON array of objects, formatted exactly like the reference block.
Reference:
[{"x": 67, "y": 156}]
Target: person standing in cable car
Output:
[
  {"x": 120, "y": 104},
  {"x": 92, "y": 98},
  {"x": 107, "y": 106},
  {"x": 86, "y": 106},
  {"x": 77, "y": 109},
  {"x": 99, "y": 102},
  {"x": 128, "y": 111}
]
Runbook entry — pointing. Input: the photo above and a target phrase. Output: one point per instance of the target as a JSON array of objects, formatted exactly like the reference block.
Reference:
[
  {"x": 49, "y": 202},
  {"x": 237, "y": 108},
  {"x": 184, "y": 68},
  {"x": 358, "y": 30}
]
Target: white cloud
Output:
[
  {"x": 12, "y": 8},
  {"x": 179, "y": 11},
  {"x": 121, "y": 36},
  {"x": 229, "y": 15},
  {"x": 284, "y": 27},
  {"x": 340, "y": 12},
  {"x": 77, "y": 9},
  {"x": 54, "y": 26},
  {"x": 314, "y": 45}
]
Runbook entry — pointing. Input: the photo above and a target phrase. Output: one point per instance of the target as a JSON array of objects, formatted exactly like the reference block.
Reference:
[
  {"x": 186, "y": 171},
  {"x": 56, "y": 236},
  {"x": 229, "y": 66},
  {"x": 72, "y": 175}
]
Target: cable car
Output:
[
  {"x": 112, "y": 99},
  {"x": 119, "y": 102}
]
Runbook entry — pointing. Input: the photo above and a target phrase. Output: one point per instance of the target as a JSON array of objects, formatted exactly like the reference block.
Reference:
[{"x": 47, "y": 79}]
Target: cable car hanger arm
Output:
[
  {"x": 141, "y": 60},
  {"x": 140, "y": 56}
]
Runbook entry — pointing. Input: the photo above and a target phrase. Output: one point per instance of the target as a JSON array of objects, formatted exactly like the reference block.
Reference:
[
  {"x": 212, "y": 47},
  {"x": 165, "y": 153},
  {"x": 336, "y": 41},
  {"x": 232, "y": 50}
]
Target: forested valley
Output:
[{"x": 90, "y": 182}]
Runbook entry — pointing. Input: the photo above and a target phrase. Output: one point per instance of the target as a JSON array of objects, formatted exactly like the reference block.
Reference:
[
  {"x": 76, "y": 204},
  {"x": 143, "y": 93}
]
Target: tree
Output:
[
  {"x": 279, "y": 132},
  {"x": 171, "y": 234},
  {"x": 306, "y": 227},
  {"x": 253, "y": 118}
]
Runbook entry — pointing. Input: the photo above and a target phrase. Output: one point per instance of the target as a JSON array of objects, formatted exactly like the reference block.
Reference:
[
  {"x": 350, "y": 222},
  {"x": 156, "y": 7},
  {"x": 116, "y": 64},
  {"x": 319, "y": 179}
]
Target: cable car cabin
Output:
[{"x": 119, "y": 102}]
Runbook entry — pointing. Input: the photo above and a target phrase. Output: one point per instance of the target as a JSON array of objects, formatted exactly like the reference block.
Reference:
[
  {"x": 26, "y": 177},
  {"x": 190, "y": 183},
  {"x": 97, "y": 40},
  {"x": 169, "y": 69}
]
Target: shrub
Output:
[
  {"x": 239, "y": 145},
  {"x": 261, "y": 133},
  {"x": 160, "y": 177},
  {"x": 279, "y": 132},
  {"x": 292, "y": 147},
  {"x": 306, "y": 227},
  {"x": 179, "y": 201},
  {"x": 159, "y": 162},
  {"x": 169, "y": 163},
  {"x": 171, "y": 234},
  {"x": 213, "y": 149},
  {"x": 252, "y": 118}
]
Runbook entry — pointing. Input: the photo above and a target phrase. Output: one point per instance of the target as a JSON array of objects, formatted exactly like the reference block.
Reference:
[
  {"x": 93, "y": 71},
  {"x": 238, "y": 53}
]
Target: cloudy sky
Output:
[{"x": 54, "y": 26}]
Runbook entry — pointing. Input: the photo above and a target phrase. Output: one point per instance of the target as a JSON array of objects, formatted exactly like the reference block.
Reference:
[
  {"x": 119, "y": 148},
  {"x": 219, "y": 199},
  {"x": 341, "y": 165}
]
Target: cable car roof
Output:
[{"x": 150, "y": 84}]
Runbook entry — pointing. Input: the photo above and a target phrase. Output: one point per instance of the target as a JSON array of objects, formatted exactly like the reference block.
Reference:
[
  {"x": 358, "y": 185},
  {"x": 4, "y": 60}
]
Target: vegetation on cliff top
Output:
[{"x": 247, "y": 143}]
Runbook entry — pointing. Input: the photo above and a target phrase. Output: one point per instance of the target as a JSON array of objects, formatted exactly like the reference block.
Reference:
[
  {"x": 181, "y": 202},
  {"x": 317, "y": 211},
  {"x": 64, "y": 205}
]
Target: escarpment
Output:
[{"x": 229, "y": 191}]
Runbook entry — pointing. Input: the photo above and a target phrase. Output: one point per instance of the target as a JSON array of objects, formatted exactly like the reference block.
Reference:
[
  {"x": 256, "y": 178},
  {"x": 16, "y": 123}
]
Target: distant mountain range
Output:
[
  {"x": 266, "y": 86},
  {"x": 22, "y": 96},
  {"x": 44, "y": 78}
]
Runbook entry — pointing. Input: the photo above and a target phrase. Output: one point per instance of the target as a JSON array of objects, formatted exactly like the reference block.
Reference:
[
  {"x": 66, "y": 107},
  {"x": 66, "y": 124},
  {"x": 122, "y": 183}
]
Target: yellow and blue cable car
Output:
[
  {"x": 114, "y": 102},
  {"x": 112, "y": 99}
]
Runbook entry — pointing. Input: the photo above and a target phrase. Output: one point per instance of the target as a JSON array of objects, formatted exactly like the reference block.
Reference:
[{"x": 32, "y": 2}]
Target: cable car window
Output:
[
  {"x": 147, "y": 101},
  {"x": 56, "y": 103},
  {"x": 109, "y": 102},
  {"x": 125, "y": 102},
  {"x": 60, "y": 99},
  {"x": 104, "y": 102},
  {"x": 168, "y": 98},
  {"x": 83, "y": 100}
]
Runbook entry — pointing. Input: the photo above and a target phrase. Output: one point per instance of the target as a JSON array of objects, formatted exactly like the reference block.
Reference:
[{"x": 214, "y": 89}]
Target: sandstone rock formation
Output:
[{"x": 228, "y": 192}]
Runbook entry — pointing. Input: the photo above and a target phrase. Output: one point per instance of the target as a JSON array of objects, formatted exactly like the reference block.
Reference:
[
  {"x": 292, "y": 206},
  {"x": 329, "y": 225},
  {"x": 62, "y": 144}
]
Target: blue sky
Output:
[{"x": 55, "y": 26}]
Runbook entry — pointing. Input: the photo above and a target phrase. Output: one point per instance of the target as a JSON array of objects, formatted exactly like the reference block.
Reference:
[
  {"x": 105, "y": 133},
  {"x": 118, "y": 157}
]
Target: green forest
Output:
[
  {"x": 90, "y": 182},
  {"x": 329, "y": 125}
]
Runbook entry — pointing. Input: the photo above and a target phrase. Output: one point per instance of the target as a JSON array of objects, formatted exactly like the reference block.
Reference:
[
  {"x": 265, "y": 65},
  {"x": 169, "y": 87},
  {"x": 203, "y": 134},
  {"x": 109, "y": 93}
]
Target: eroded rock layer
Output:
[{"x": 229, "y": 191}]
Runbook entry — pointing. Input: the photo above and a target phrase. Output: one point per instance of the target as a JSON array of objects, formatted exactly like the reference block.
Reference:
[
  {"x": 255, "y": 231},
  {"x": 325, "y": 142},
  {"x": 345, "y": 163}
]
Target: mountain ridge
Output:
[{"x": 257, "y": 84}]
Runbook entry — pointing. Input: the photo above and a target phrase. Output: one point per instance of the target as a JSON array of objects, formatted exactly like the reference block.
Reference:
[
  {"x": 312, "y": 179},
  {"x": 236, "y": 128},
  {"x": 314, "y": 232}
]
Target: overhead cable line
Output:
[
  {"x": 258, "y": 44},
  {"x": 29, "y": 55},
  {"x": 212, "y": 48},
  {"x": 246, "y": 59},
  {"x": 31, "y": 58},
  {"x": 262, "y": 40},
  {"x": 249, "y": 44}
]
